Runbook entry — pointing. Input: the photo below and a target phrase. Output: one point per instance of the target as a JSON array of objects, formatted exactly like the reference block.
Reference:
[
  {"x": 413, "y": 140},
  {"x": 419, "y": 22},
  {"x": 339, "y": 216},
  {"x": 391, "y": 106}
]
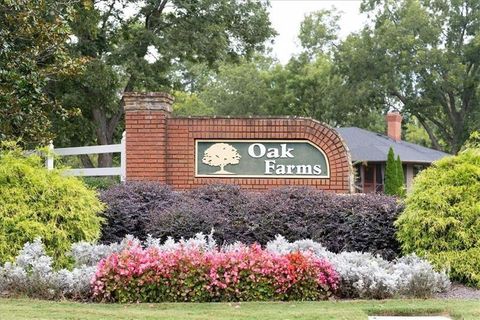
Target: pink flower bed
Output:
[{"x": 186, "y": 274}]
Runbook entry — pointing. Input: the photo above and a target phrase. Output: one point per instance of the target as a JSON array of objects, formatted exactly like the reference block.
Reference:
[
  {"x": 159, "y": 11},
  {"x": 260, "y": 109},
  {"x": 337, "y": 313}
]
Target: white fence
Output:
[{"x": 91, "y": 172}]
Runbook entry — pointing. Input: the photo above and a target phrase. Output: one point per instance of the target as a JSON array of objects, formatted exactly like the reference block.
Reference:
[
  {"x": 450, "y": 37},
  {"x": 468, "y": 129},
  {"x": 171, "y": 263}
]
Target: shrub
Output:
[
  {"x": 391, "y": 177},
  {"x": 129, "y": 206},
  {"x": 361, "y": 275},
  {"x": 191, "y": 274},
  {"x": 442, "y": 215},
  {"x": 32, "y": 274},
  {"x": 353, "y": 223},
  {"x": 365, "y": 276},
  {"x": 363, "y": 223},
  {"x": 463, "y": 265},
  {"x": 100, "y": 183},
  {"x": 35, "y": 202},
  {"x": 290, "y": 212},
  {"x": 340, "y": 222},
  {"x": 217, "y": 207},
  {"x": 394, "y": 177},
  {"x": 417, "y": 277}
]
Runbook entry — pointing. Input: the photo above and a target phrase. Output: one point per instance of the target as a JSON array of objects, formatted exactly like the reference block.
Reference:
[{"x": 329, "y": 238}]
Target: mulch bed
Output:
[{"x": 459, "y": 291}]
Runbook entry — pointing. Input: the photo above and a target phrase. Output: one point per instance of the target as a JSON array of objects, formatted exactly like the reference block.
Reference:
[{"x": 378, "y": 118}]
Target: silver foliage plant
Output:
[
  {"x": 366, "y": 276},
  {"x": 32, "y": 274},
  {"x": 362, "y": 275}
]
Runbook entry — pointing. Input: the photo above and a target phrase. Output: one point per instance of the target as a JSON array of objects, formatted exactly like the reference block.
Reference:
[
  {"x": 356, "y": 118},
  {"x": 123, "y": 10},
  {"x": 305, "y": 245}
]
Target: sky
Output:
[{"x": 286, "y": 16}]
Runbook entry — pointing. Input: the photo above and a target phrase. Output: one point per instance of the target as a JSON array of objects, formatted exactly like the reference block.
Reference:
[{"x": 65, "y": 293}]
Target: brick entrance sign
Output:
[{"x": 255, "y": 153}]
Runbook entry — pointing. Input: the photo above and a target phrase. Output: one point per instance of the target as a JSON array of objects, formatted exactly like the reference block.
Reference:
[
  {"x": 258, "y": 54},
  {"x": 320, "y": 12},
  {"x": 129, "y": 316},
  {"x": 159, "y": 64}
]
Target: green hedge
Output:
[
  {"x": 442, "y": 215},
  {"x": 35, "y": 202},
  {"x": 463, "y": 266}
]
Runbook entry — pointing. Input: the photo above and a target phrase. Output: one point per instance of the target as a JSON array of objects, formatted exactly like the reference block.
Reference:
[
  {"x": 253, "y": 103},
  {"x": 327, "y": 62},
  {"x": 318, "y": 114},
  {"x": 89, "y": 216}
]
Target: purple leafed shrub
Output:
[
  {"x": 129, "y": 206},
  {"x": 362, "y": 223},
  {"x": 287, "y": 211},
  {"x": 340, "y": 222},
  {"x": 217, "y": 207}
]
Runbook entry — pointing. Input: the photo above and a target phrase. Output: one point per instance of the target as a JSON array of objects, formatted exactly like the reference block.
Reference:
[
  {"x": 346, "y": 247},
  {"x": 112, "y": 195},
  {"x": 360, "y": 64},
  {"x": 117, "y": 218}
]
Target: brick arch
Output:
[{"x": 162, "y": 148}]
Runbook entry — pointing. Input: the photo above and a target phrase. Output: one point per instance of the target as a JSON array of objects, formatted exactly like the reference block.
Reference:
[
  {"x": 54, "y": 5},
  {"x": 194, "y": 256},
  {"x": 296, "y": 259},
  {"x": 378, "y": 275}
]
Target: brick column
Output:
[{"x": 146, "y": 142}]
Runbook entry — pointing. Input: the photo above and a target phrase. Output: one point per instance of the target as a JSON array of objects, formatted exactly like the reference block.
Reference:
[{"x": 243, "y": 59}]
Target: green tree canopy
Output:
[
  {"x": 420, "y": 56},
  {"x": 318, "y": 31},
  {"x": 308, "y": 85},
  {"x": 142, "y": 45},
  {"x": 33, "y": 54}
]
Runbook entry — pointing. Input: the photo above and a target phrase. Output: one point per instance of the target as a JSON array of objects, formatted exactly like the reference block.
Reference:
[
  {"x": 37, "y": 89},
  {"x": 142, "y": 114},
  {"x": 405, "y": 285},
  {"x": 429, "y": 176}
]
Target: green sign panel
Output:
[{"x": 260, "y": 159}]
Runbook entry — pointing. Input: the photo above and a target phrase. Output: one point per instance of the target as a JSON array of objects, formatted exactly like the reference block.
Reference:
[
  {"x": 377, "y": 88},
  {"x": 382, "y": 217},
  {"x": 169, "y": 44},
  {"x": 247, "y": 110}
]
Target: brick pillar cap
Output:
[{"x": 155, "y": 101}]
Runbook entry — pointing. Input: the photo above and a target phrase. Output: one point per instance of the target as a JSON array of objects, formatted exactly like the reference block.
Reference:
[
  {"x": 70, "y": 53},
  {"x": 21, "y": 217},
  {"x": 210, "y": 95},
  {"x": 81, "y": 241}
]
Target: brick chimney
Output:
[{"x": 394, "y": 125}]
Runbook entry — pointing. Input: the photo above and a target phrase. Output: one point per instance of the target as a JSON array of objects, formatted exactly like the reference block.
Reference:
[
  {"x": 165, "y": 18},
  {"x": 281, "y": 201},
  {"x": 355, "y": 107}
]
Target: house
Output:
[{"x": 369, "y": 152}]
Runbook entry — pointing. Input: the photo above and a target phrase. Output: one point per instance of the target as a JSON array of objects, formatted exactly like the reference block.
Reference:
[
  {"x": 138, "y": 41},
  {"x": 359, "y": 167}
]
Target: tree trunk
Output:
[
  {"x": 86, "y": 161},
  {"x": 103, "y": 136},
  {"x": 105, "y": 160},
  {"x": 105, "y": 127}
]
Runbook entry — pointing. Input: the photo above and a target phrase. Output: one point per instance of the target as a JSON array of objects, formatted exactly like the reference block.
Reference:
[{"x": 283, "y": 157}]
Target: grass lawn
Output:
[{"x": 35, "y": 309}]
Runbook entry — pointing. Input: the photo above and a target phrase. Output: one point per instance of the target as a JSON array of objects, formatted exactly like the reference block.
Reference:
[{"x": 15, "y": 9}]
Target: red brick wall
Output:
[
  {"x": 162, "y": 148},
  {"x": 146, "y": 145}
]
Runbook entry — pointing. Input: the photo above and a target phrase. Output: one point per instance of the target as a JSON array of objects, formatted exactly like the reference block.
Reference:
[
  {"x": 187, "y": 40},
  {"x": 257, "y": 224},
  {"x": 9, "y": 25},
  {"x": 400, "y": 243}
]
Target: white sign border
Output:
[{"x": 233, "y": 176}]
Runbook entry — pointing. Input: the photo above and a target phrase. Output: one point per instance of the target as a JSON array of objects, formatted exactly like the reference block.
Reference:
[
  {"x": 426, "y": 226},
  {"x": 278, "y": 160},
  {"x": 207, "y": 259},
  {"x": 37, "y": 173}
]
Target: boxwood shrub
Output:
[
  {"x": 442, "y": 215},
  {"x": 463, "y": 265},
  {"x": 340, "y": 222},
  {"x": 35, "y": 202}
]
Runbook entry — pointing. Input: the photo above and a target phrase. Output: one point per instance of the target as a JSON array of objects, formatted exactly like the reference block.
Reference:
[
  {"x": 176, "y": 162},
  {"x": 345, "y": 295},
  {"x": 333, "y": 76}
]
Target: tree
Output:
[
  {"x": 400, "y": 177},
  {"x": 318, "y": 31},
  {"x": 220, "y": 155},
  {"x": 420, "y": 56},
  {"x": 33, "y": 54},
  {"x": 391, "y": 181},
  {"x": 145, "y": 50},
  {"x": 415, "y": 133},
  {"x": 189, "y": 104},
  {"x": 394, "y": 177},
  {"x": 473, "y": 141},
  {"x": 239, "y": 89},
  {"x": 303, "y": 87}
]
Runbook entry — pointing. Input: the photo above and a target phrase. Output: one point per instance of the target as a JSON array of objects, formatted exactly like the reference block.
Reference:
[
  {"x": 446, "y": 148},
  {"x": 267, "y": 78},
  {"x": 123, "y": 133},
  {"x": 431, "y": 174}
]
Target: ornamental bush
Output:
[
  {"x": 394, "y": 176},
  {"x": 215, "y": 207},
  {"x": 361, "y": 275},
  {"x": 365, "y": 276},
  {"x": 463, "y": 265},
  {"x": 35, "y": 202},
  {"x": 341, "y": 222},
  {"x": 32, "y": 274},
  {"x": 129, "y": 206},
  {"x": 442, "y": 215},
  {"x": 246, "y": 273}
]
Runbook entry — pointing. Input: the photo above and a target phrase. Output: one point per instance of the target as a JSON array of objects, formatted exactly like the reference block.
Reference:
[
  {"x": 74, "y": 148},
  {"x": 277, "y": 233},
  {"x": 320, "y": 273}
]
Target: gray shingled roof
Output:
[{"x": 365, "y": 145}]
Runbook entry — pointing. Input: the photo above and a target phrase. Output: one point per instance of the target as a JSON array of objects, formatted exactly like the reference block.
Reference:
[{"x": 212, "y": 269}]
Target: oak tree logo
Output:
[{"x": 220, "y": 155}]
